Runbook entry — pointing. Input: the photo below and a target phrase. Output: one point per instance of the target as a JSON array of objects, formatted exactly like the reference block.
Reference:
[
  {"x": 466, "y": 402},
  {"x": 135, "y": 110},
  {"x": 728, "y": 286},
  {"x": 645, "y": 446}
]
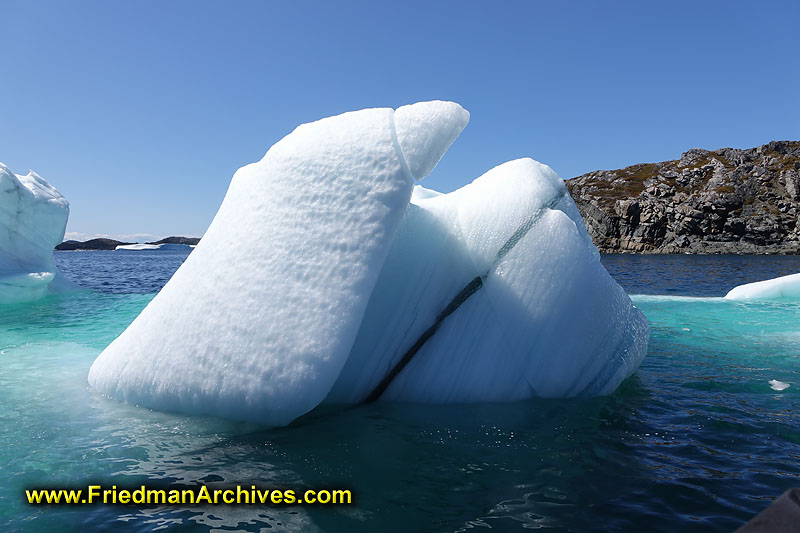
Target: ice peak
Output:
[{"x": 425, "y": 131}]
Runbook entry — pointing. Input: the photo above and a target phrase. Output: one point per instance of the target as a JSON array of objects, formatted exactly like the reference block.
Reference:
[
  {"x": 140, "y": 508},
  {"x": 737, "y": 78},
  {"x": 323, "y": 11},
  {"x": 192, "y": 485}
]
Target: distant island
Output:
[
  {"x": 725, "y": 201},
  {"x": 111, "y": 244}
]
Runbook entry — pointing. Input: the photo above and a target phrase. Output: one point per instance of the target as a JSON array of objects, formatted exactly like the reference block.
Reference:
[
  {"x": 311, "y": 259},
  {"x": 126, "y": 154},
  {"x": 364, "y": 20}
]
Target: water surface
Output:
[{"x": 695, "y": 440}]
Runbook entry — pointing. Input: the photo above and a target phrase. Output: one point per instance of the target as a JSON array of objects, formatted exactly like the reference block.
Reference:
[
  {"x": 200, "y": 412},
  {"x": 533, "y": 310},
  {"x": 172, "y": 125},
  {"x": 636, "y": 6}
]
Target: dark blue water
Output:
[
  {"x": 690, "y": 275},
  {"x": 120, "y": 272},
  {"x": 695, "y": 275},
  {"x": 696, "y": 440}
]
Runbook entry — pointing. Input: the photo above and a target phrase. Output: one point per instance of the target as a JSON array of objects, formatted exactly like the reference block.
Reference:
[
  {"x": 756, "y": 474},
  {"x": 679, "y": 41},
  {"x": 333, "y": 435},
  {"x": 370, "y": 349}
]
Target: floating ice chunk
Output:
[
  {"x": 263, "y": 334},
  {"x": 137, "y": 247},
  {"x": 786, "y": 287},
  {"x": 540, "y": 315},
  {"x": 774, "y": 384},
  {"x": 153, "y": 247},
  {"x": 33, "y": 217},
  {"x": 491, "y": 293}
]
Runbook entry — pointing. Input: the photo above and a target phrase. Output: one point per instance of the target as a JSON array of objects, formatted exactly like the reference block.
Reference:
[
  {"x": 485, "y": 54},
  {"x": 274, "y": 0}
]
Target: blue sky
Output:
[{"x": 140, "y": 112}]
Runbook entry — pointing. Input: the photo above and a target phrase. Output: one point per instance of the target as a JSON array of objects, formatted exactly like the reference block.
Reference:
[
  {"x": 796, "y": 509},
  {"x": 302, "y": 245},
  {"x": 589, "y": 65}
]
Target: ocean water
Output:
[{"x": 696, "y": 440}]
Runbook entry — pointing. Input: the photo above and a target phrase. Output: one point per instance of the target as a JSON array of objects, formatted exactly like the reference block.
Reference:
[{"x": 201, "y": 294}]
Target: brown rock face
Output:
[{"x": 722, "y": 201}]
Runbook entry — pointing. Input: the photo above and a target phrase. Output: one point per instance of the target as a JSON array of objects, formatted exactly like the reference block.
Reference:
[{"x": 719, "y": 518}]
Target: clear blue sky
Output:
[{"x": 140, "y": 112}]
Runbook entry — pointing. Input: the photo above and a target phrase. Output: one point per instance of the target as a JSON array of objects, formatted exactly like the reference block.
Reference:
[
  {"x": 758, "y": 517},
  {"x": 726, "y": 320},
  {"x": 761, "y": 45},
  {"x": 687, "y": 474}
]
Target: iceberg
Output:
[
  {"x": 33, "y": 218},
  {"x": 779, "y": 386},
  {"x": 138, "y": 247},
  {"x": 263, "y": 336},
  {"x": 367, "y": 286},
  {"x": 166, "y": 247},
  {"x": 533, "y": 311},
  {"x": 783, "y": 288}
]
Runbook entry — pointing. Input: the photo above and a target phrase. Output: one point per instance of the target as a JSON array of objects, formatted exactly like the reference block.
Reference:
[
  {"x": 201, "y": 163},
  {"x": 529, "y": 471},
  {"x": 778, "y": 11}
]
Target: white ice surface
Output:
[
  {"x": 353, "y": 267},
  {"x": 548, "y": 321},
  {"x": 425, "y": 130},
  {"x": 139, "y": 247},
  {"x": 33, "y": 217},
  {"x": 786, "y": 287},
  {"x": 262, "y": 333},
  {"x": 774, "y": 384},
  {"x": 420, "y": 193}
]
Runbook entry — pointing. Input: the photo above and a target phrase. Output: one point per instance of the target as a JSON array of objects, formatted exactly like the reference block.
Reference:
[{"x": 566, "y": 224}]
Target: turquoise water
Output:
[{"x": 696, "y": 440}]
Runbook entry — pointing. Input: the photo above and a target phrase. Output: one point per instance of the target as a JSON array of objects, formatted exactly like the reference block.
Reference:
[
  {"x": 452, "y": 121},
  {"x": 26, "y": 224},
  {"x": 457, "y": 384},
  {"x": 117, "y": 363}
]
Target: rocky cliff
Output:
[{"x": 721, "y": 201}]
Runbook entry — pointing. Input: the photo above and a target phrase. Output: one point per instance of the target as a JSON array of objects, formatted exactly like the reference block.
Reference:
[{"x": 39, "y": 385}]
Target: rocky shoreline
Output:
[{"x": 726, "y": 201}]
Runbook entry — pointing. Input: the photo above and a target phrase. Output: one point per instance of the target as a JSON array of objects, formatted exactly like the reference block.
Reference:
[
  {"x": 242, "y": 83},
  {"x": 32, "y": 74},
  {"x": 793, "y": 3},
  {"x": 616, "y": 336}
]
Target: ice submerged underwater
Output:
[{"x": 364, "y": 286}]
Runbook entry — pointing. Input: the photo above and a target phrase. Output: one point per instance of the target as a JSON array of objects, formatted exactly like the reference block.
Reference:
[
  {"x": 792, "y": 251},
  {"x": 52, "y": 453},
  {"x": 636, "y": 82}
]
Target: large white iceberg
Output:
[
  {"x": 33, "y": 218},
  {"x": 264, "y": 336},
  {"x": 361, "y": 290},
  {"x": 785, "y": 287}
]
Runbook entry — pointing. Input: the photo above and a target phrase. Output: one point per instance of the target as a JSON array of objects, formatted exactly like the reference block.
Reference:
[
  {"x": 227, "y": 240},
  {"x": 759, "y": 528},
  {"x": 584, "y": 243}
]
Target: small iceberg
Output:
[
  {"x": 166, "y": 247},
  {"x": 365, "y": 286},
  {"x": 774, "y": 384},
  {"x": 783, "y": 288},
  {"x": 138, "y": 247},
  {"x": 33, "y": 218}
]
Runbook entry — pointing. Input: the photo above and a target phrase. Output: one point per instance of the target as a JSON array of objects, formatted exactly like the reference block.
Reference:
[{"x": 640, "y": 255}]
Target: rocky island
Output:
[
  {"x": 111, "y": 244},
  {"x": 707, "y": 202}
]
